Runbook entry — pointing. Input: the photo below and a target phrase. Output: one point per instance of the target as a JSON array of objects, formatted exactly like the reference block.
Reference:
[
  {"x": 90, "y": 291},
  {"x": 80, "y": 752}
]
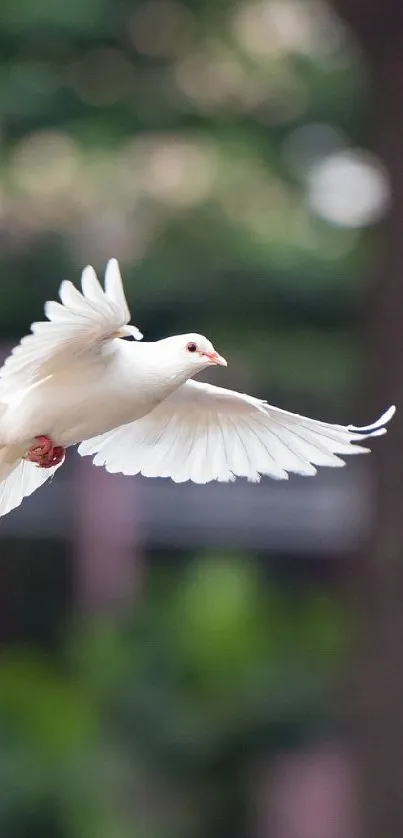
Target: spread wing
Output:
[
  {"x": 82, "y": 321},
  {"x": 203, "y": 433}
]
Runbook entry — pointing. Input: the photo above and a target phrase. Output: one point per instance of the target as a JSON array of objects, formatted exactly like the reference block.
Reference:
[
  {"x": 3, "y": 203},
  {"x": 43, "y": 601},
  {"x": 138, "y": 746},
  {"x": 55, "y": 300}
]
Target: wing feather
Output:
[
  {"x": 82, "y": 321},
  {"x": 24, "y": 479},
  {"x": 114, "y": 288},
  {"x": 203, "y": 433}
]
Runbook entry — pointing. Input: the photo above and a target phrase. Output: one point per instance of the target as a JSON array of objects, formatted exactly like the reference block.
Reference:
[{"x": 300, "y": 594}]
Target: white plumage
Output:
[{"x": 135, "y": 409}]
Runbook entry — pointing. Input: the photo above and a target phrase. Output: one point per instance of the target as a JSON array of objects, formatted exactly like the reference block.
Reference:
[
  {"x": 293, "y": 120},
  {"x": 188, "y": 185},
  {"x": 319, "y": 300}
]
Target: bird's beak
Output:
[{"x": 215, "y": 358}]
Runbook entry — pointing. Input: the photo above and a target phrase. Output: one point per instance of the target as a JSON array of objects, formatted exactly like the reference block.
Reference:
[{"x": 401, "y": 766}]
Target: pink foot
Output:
[{"x": 44, "y": 453}]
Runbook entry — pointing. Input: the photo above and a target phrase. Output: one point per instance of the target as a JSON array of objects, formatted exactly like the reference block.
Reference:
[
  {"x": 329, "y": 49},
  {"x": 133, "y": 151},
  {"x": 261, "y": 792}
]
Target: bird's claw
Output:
[
  {"x": 44, "y": 454},
  {"x": 55, "y": 456}
]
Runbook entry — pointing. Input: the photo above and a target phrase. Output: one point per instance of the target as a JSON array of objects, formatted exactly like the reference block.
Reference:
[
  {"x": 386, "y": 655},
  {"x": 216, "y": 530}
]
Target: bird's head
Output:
[{"x": 192, "y": 353}]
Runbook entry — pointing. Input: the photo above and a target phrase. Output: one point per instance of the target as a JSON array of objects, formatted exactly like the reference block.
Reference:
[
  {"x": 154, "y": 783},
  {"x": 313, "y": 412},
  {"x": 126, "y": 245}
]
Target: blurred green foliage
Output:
[
  {"x": 149, "y": 720},
  {"x": 168, "y": 134}
]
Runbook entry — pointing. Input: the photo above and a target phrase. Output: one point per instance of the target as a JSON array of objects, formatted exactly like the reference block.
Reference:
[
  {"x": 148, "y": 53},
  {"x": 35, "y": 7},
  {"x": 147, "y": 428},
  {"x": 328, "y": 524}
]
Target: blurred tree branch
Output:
[{"x": 379, "y": 26}]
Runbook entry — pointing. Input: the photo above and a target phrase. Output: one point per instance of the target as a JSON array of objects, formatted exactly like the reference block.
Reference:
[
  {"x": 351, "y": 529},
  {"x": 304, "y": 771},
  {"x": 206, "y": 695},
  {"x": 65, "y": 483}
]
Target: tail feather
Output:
[{"x": 18, "y": 478}]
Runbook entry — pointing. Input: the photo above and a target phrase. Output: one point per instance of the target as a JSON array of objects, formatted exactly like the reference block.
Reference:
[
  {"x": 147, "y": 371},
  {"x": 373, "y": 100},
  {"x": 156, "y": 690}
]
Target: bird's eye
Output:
[{"x": 191, "y": 347}]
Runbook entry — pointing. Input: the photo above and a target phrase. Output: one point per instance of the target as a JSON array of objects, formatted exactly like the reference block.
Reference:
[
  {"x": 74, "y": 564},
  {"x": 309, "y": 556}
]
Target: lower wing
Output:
[
  {"x": 203, "y": 433},
  {"x": 18, "y": 479}
]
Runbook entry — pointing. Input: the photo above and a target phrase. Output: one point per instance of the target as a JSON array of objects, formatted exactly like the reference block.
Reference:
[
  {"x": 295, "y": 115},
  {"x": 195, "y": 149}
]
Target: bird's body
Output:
[
  {"x": 87, "y": 397},
  {"x": 134, "y": 407}
]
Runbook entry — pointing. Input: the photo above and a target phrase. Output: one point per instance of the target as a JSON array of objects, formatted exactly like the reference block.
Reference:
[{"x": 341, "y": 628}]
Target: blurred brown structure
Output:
[{"x": 379, "y": 27}]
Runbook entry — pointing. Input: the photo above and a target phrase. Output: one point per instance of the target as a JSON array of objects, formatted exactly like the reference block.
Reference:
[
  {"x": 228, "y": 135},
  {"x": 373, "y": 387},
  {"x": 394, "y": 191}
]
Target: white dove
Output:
[{"x": 134, "y": 405}]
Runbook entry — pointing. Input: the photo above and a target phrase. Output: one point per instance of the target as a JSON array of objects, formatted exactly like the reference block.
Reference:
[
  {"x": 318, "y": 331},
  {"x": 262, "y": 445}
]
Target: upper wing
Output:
[
  {"x": 203, "y": 433},
  {"x": 80, "y": 322}
]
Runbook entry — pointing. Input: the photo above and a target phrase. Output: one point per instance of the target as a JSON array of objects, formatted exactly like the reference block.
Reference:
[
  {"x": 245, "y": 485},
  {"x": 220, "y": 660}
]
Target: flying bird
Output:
[{"x": 134, "y": 407}]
